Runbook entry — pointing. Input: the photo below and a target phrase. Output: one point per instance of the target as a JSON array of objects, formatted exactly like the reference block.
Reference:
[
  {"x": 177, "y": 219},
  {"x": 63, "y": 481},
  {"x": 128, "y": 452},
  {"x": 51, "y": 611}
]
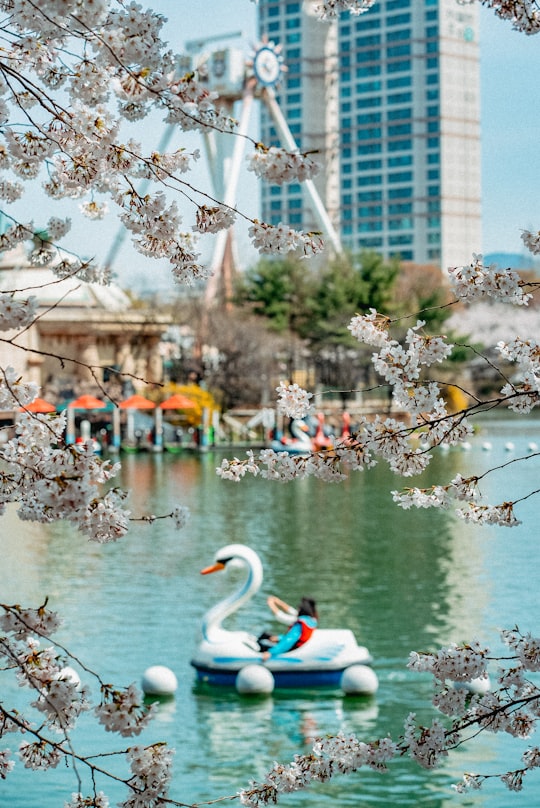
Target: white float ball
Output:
[
  {"x": 254, "y": 679},
  {"x": 159, "y": 681},
  {"x": 70, "y": 675},
  {"x": 486, "y": 446},
  {"x": 359, "y": 680},
  {"x": 477, "y": 686}
]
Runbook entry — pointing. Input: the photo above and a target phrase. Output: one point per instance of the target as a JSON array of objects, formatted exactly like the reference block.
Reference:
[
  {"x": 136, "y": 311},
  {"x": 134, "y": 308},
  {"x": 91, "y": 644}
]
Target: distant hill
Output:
[{"x": 514, "y": 260}]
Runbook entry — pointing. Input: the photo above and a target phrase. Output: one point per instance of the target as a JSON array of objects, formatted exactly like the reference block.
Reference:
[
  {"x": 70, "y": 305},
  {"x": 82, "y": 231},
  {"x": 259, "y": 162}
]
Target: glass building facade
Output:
[{"x": 390, "y": 101}]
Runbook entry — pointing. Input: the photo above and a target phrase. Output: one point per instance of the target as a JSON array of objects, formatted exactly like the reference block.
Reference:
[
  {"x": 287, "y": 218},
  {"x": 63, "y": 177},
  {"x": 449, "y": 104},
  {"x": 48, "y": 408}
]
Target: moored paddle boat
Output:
[{"x": 319, "y": 662}]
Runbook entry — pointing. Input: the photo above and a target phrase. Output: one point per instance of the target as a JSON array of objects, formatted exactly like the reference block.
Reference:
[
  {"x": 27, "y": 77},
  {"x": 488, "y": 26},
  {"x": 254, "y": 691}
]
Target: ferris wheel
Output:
[{"x": 238, "y": 80}]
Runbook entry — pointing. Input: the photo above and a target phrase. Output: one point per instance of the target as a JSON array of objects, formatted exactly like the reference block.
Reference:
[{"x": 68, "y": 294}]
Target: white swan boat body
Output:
[
  {"x": 222, "y": 654},
  {"x": 300, "y": 443}
]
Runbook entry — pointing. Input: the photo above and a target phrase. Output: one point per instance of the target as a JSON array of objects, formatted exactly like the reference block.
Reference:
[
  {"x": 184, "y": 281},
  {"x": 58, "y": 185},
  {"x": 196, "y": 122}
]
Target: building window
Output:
[
  {"x": 369, "y": 134},
  {"x": 400, "y": 176},
  {"x": 396, "y": 5},
  {"x": 399, "y": 145},
  {"x": 369, "y": 87},
  {"x": 398, "y": 50},
  {"x": 373, "y": 101},
  {"x": 371, "y": 179},
  {"x": 400, "y": 193},
  {"x": 369, "y": 226},
  {"x": 399, "y": 67},
  {"x": 398, "y": 19},
  {"x": 368, "y": 117},
  {"x": 368, "y": 70},
  {"x": 401, "y": 239},
  {"x": 399, "y": 98},
  {"x": 400, "y": 81},
  {"x": 368, "y": 165},
  {"x": 368, "y": 56},
  {"x": 400, "y": 160},
  {"x": 399, "y": 207},
  {"x": 400, "y": 129},
  {"x": 367, "y": 41},
  {"x": 398, "y": 114},
  {"x": 369, "y": 196}
]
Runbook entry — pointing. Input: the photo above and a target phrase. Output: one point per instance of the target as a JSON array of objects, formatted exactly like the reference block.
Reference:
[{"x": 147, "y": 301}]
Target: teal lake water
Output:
[{"x": 401, "y": 580}]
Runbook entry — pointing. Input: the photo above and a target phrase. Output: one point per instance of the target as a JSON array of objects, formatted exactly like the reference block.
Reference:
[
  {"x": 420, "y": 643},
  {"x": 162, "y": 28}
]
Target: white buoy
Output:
[
  {"x": 509, "y": 446},
  {"x": 532, "y": 446},
  {"x": 359, "y": 680},
  {"x": 466, "y": 446},
  {"x": 70, "y": 675},
  {"x": 477, "y": 686},
  {"x": 254, "y": 679},
  {"x": 486, "y": 446},
  {"x": 159, "y": 681}
]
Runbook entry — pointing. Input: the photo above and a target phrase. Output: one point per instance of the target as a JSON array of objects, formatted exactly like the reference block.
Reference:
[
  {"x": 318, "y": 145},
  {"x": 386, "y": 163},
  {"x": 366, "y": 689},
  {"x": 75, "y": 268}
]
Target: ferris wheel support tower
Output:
[{"x": 236, "y": 79}]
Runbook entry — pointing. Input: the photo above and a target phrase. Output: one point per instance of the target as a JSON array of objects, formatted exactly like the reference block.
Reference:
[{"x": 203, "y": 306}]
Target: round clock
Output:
[{"x": 266, "y": 66}]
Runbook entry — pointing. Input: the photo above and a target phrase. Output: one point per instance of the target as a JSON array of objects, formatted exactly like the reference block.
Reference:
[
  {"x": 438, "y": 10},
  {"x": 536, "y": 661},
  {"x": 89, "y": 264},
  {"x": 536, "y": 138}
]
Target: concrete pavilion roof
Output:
[{"x": 18, "y": 274}]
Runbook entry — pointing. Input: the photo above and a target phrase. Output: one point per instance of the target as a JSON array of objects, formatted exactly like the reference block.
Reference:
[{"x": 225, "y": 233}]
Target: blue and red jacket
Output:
[{"x": 299, "y": 633}]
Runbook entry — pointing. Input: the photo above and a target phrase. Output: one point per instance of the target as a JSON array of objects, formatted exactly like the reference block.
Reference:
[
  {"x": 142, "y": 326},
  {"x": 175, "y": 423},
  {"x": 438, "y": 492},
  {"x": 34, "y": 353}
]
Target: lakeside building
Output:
[
  {"x": 390, "y": 101},
  {"x": 85, "y": 336}
]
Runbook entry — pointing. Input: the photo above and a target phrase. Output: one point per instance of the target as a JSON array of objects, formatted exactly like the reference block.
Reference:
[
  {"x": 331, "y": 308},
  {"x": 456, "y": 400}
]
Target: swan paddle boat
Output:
[
  {"x": 299, "y": 443},
  {"x": 322, "y": 661}
]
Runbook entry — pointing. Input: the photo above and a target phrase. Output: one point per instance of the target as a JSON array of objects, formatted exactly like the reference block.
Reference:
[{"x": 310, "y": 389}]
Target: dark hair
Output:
[{"x": 308, "y": 607}]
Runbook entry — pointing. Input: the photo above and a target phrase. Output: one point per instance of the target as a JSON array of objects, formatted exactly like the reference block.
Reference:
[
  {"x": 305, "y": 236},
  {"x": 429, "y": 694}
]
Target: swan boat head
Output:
[{"x": 229, "y": 556}]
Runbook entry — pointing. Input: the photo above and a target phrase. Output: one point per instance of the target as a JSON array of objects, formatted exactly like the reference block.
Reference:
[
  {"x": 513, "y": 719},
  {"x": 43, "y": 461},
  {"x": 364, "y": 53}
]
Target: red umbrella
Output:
[
  {"x": 87, "y": 403},
  {"x": 137, "y": 402},
  {"x": 177, "y": 402},
  {"x": 38, "y": 405}
]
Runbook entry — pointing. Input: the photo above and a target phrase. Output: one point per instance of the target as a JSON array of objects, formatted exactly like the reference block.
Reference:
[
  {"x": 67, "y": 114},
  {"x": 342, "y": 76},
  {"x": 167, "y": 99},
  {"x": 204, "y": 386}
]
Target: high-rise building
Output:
[{"x": 390, "y": 100}]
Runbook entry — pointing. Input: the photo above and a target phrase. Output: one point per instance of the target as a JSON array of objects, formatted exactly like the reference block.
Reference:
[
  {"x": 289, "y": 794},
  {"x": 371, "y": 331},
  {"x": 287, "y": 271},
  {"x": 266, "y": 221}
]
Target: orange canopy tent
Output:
[
  {"x": 38, "y": 405},
  {"x": 87, "y": 403},
  {"x": 137, "y": 402},
  {"x": 177, "y": 402}
]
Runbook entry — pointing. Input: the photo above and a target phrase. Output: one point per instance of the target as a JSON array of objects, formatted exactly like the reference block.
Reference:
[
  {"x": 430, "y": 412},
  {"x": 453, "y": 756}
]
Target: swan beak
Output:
[{"x": 213, "y": 568}]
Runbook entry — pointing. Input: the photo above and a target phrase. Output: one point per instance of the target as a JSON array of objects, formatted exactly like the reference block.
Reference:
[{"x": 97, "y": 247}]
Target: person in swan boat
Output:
[{"x": 302, "y": 621}]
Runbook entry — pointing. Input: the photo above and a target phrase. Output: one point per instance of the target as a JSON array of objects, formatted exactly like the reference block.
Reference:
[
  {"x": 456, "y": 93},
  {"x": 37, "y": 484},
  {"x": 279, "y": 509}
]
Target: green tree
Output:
[
  {"x": 282, "y": 291},
  {"x": 351, "y": 283}
]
